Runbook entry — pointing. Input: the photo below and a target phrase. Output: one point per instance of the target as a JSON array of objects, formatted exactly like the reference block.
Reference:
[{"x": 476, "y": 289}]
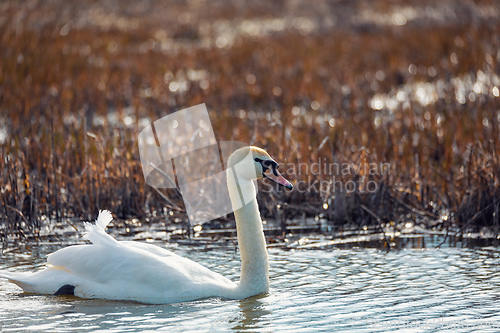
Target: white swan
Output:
[{"x": 127, "y": 270}]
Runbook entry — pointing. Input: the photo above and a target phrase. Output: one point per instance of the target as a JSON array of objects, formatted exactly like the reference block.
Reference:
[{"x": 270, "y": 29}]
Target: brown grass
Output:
[{"x": 71, "y": 74}]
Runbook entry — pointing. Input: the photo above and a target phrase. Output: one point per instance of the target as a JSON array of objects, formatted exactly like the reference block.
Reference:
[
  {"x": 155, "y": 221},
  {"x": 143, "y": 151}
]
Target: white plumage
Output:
[{"x": 122, "y": 270}]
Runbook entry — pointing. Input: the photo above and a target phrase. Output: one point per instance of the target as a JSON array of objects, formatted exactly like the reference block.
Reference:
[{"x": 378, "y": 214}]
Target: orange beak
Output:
[{"x": 274, "y": 175}]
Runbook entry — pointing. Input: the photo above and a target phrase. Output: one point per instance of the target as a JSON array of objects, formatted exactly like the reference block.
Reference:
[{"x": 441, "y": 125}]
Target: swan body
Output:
[{"x": 127, "y": 270}]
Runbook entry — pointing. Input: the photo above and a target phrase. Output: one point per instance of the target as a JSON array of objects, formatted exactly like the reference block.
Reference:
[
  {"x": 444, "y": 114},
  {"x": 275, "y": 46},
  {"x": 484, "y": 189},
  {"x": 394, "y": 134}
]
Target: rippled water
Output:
[{"x": 448, "y": 289}]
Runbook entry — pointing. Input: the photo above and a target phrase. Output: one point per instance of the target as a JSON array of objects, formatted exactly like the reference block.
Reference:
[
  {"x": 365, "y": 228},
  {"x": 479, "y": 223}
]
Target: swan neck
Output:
[{"x": 251, "y": 241}]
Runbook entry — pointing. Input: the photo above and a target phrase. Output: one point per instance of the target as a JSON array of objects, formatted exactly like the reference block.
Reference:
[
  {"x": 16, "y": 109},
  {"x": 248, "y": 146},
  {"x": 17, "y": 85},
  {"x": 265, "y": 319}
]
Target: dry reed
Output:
[{"x": 79, "y": 81}]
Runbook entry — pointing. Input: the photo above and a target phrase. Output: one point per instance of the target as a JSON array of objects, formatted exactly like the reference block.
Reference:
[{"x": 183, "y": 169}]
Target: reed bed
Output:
[{"x": 383, "y": 113}]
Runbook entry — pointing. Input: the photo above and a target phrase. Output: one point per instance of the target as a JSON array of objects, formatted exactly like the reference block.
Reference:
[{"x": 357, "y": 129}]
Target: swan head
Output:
[{"x": 255, "y": 163}]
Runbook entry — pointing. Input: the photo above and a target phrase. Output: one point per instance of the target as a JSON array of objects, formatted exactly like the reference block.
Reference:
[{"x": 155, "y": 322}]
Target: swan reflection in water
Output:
[{"x": 252, "y": 309}]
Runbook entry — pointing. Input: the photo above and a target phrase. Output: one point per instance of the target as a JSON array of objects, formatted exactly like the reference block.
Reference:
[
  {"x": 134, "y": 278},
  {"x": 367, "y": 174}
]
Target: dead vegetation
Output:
[{"x": 408, "y": 104}]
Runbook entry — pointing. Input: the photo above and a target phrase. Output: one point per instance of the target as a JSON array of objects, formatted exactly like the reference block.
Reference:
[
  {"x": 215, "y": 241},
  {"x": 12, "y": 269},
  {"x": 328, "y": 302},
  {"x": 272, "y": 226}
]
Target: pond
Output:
[{"x": 369, "y": 290}]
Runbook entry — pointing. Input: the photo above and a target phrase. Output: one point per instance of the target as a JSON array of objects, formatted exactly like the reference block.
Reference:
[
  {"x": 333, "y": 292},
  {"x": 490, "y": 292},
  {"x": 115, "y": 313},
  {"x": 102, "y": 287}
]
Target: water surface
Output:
[{"x": 409, "y": 290}]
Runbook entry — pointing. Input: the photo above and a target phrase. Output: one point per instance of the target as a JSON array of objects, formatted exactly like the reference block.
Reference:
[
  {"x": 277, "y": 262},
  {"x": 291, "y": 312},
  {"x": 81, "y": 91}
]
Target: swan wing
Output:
[
  {"x": 196, "y": 271},
  {"x": 137, "y": 271}
]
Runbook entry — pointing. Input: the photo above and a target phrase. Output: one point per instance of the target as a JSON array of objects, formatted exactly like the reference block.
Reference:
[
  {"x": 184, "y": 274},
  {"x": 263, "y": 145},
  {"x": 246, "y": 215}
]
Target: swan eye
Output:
[{"x": 266, "y": 164}]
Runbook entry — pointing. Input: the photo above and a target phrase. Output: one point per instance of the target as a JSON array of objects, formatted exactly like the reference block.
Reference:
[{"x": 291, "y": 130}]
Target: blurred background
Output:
[{"x": 413, "y": 85}]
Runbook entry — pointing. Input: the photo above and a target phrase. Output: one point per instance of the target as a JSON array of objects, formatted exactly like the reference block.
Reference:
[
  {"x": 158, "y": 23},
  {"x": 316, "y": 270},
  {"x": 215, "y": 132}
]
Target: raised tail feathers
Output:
[
  {"x": 103, "y": 219},
  {"x": 96, "y": 233}
]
